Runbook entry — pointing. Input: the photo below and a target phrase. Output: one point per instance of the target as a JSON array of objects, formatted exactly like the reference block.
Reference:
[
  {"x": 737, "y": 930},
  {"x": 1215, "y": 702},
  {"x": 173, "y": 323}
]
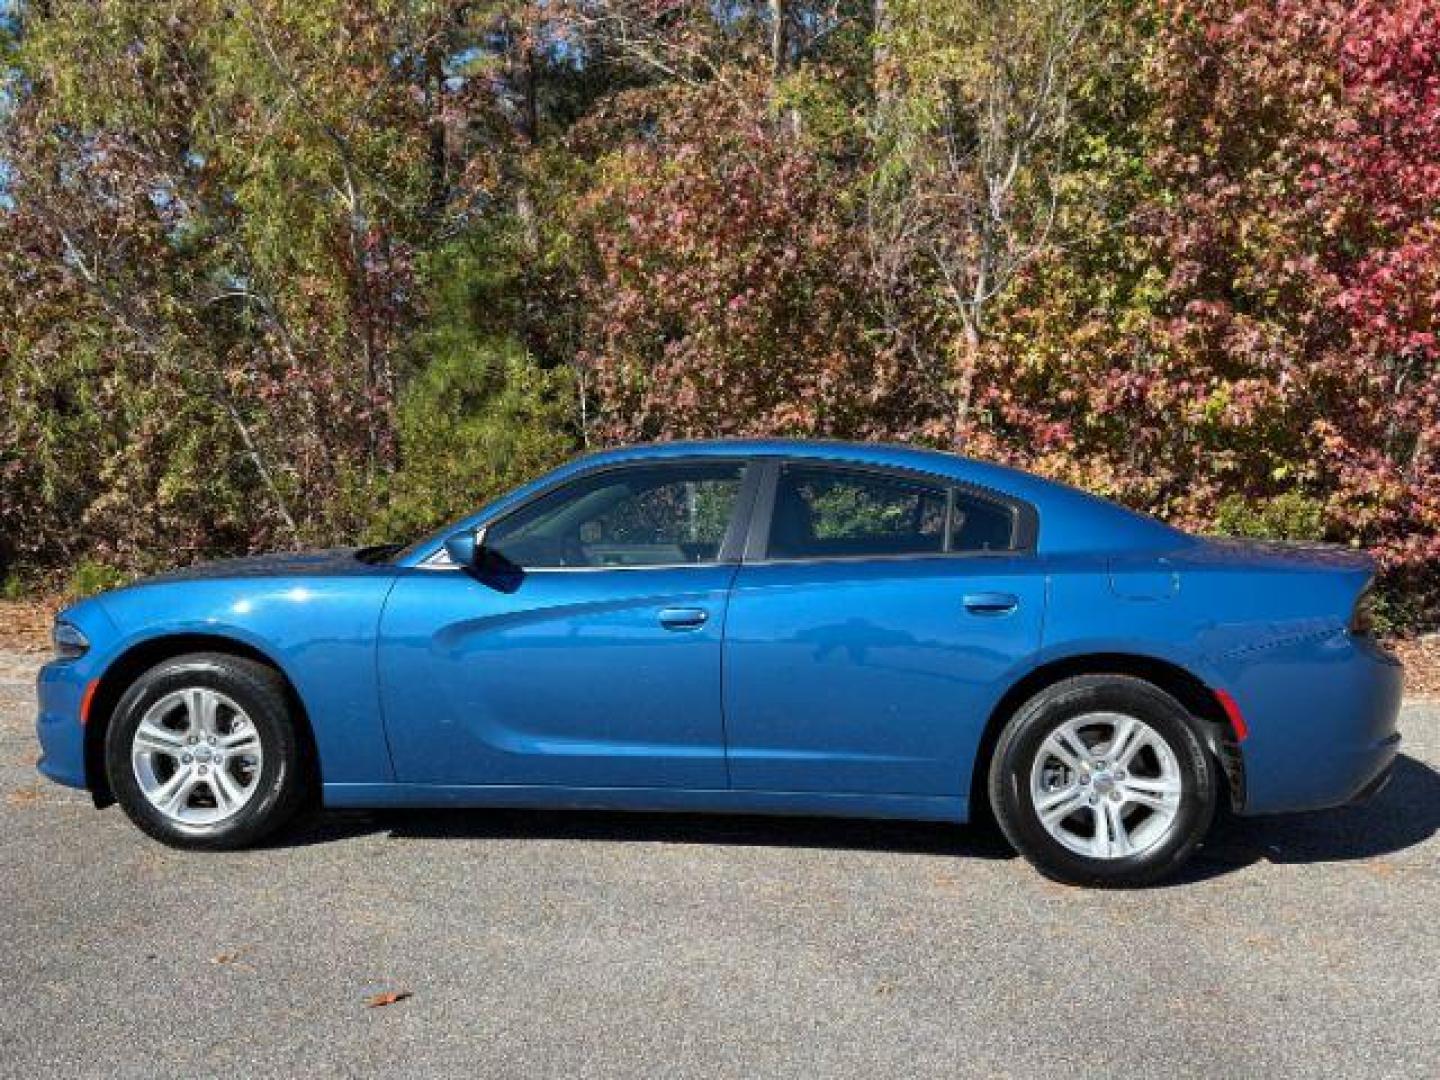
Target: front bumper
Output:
[{"x": 60, "y": 690}]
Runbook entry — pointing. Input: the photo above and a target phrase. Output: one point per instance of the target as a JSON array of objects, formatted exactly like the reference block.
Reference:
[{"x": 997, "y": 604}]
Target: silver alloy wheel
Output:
[
  {"x": 1106, "y": 785},
  {"x": 197, "y": 756}
]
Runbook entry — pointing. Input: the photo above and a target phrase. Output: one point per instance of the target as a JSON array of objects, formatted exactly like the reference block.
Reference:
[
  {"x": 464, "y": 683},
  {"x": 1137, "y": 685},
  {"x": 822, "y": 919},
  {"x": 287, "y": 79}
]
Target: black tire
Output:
[
  {"x": 1033, "y": 723},
  {"x": 260, "y": 692}
]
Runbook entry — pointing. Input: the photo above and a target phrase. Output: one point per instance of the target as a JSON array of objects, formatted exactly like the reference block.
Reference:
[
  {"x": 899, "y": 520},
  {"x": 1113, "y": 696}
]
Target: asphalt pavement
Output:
[{"x": 583, "y": 944}]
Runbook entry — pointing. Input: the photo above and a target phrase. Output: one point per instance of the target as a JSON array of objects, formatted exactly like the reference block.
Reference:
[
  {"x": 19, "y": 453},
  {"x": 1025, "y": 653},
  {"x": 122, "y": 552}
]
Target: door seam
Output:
[{"x": 724, "y": 631}]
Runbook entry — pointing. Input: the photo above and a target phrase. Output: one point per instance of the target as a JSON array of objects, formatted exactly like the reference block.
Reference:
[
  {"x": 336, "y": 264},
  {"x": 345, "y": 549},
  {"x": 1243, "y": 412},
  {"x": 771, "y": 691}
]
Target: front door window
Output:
[{"x": 666, "y": 515}]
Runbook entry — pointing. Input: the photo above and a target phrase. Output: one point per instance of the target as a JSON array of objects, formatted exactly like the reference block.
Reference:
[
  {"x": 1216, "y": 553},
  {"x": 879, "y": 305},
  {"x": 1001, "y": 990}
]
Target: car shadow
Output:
[
  {"x": 746, "y": 830},
  {"x": 1405, "y": 814}
]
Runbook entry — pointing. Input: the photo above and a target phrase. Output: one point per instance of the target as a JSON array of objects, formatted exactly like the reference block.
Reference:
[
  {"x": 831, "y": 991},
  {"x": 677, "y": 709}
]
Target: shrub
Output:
[
  {"x": 474, "y": 424},
  {"x": 90, "y": 577},
  {"x": 1288, "y": 516}
]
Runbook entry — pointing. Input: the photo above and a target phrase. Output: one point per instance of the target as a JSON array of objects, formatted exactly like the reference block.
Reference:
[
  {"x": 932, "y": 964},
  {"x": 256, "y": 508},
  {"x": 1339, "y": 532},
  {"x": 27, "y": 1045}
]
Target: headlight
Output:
[{"x": 70, "y": 643}]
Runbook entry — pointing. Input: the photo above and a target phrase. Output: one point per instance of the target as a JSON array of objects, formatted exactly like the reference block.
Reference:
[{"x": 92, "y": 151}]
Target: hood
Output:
[{"x": 334, "y": 562}]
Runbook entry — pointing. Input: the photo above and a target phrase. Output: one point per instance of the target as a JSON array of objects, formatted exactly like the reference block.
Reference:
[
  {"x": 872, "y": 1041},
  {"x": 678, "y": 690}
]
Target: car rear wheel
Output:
[
  {"x": 1101, "y": 780},
  {"x": 202, "y": 753}
]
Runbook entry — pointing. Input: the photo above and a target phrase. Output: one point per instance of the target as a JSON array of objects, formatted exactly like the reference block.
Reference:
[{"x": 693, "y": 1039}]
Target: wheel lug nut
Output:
[
  {"x": 1084, "y": 778},
  {"x": 186, "y": 758},
  {"x": 1094, "y": 799},
  {"x": 1114, "y": 796},
  {"x": 203, "y": 770}
]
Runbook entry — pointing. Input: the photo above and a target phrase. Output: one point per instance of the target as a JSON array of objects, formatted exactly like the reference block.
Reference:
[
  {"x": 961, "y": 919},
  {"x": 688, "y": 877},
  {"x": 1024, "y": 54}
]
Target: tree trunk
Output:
[
  {"x": 779, "y": 38},
  {"x": 966, "y": 363},
  {"x": 439, "y": 194},
  {"x": 780, "y": 62},
  {"x": 880, "y": 56},
  {"x": 527, "y": 128}
]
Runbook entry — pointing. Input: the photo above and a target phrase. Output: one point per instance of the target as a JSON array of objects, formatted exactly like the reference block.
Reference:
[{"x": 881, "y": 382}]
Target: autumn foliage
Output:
[
  {"x": 727, "y": 292},
  {"x": 267, "y": 269}
]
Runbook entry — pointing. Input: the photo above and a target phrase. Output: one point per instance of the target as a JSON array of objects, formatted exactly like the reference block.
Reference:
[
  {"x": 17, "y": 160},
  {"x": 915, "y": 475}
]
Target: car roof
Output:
[{"x": 894, "y": 455}]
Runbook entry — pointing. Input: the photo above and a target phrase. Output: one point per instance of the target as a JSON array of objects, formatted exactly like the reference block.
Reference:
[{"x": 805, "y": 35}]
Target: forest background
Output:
[{"x": 279, "y": 273}]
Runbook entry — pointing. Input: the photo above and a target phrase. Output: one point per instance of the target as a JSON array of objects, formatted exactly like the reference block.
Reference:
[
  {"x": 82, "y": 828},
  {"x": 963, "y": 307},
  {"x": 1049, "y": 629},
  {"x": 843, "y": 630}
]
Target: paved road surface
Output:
[{"x": 573, "y": 944}]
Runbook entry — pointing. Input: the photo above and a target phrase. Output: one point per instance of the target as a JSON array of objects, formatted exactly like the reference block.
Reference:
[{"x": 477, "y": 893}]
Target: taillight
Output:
[{"x": 1362, "y": 619}]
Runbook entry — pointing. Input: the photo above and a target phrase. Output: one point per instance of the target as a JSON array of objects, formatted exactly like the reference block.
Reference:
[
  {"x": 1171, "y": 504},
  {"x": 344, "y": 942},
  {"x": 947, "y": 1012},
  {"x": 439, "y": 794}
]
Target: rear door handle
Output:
[
  {"x": 991, "y": 603},
  {"x": 683, "y": 618}
]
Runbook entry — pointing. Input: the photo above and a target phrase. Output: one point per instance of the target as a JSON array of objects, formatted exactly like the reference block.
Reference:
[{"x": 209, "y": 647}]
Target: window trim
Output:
[
  {"x": 1023, "y": 535},
  {"x": 731, "y": 546}
]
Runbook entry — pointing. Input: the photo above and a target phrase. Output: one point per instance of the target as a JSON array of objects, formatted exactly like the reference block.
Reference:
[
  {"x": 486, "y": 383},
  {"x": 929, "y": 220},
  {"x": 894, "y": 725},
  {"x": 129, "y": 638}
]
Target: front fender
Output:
[{"x": 319, "y": 633}]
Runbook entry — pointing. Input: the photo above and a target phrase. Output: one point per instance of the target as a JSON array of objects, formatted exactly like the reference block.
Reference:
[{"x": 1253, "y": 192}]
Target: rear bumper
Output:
[
  {"x": 1379, "y": 783},
  {"x": 1321, "y": 713}
]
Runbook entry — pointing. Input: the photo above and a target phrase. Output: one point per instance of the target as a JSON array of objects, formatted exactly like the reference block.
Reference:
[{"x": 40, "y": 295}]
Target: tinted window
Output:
[
  {"x": 653, "y": 516},
  {"x": 980, "y": 525},
  {"x": 823, "y": 513}
]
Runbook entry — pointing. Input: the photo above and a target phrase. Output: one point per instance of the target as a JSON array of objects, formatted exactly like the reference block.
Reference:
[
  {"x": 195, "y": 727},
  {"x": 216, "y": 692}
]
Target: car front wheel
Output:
[
  {"x": 1101, "y": 780},
  {"x": 202, "y": 753}
]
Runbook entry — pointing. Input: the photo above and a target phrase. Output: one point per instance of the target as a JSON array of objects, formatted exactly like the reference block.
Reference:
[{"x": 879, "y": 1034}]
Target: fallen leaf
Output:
[
  {"x": 379, "y": 1001},
  {"x": 226, "y": 958},
  {"x": 23, "y": 796}
]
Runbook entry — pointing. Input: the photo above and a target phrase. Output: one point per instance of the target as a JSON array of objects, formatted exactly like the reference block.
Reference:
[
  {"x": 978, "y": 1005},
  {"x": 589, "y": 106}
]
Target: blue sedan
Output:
[{"x": 770, "y": 627}]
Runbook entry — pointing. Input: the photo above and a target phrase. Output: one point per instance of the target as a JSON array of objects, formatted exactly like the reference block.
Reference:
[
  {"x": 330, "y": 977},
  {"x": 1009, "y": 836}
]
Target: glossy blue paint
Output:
[
  {"x": 871, "y": 676},
  {"x": 572, "y": 678},
  {"x": 857, "y": 686},
  {"x": 314, "y": 617}
]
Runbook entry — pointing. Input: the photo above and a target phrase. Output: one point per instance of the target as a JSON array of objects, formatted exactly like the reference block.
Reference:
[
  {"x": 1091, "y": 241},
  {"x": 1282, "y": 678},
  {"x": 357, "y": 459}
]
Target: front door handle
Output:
[
  {"x": 683, "y": 618},
  {"x": 991, "y": 603}
]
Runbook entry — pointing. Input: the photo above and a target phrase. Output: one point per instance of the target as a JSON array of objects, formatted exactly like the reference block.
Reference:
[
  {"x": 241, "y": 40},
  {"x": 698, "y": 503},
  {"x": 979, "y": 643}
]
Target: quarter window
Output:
[
  {"x": 654, "y": 516},
  {"x": 978, "y": 524}
]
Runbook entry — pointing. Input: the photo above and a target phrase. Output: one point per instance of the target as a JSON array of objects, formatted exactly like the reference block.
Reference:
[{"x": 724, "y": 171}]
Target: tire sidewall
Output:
[
  {"x": 247, "y": 687},
  {"x": 1015, "y": 756}
]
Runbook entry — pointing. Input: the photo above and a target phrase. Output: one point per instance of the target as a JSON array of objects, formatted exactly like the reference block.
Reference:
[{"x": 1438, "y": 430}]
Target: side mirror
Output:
[
  {"x": 467, "y": 550},
  {"x": 463, "y": 548}
]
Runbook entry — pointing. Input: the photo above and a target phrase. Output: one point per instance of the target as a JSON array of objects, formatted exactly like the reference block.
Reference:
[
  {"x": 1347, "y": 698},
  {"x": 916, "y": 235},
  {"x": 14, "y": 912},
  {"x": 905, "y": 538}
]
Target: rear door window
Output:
[{"x": 836, "y": 513}]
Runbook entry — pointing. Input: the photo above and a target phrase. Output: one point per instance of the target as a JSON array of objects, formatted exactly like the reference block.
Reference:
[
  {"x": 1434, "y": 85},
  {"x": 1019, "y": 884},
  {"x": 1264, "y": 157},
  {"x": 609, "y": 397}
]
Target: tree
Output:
[
  {"x": 972, "y": 142},
  {"x": 724, "y": 292},
  {"x": 211, "y": 255}
]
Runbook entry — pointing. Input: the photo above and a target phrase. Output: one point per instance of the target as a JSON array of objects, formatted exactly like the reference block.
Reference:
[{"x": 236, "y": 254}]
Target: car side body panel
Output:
[
  {"x": 691, "y": 800},
  {"x": 1319, "y": 705}
]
